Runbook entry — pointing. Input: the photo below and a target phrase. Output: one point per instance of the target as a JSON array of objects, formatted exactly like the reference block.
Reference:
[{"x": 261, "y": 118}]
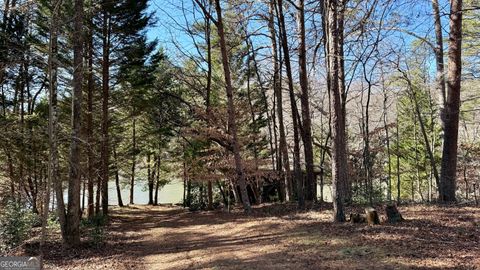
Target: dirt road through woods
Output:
[{"x": 277, "y": 237}]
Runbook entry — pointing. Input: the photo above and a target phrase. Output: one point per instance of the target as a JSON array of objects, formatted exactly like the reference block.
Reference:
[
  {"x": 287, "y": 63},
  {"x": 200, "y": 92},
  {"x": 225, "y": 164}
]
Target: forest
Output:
[{"x": 303, "y": 134}]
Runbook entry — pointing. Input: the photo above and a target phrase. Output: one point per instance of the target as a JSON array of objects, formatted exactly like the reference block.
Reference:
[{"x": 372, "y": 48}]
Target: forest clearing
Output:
[
  {"x": 240, "y": 134},
  {"x": 277, "y": 237}
]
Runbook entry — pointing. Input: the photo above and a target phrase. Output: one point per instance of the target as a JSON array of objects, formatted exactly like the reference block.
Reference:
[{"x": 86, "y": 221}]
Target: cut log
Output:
[
  {"x": 393, "y": 215},
  {"x": 357, "y": 218},
  {"x": 372, "y": 216}
]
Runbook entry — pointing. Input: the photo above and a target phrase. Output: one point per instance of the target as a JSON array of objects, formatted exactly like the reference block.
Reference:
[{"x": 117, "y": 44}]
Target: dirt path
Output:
[{"x": 275, "y": 237}]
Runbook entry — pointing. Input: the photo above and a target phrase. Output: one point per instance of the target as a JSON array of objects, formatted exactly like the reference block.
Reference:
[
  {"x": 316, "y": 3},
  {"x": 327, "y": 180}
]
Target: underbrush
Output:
[
  {"x": 16, "y": 222},
  {"x": 95, "y": 228}
]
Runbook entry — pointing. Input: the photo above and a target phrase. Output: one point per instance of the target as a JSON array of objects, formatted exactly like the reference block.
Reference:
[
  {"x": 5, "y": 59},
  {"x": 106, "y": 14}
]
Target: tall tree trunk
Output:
[
  {"x": 272, "y": 136},
  {"x": 310, "y": 187},
  {"x": 90, "y": 140},
  {"x": 439, "y": 54},
  {"x": 339, "y": 154},
  {"x": 452, "y": 107},
  {"x": 295, "y": 119},
  {"x": 134, "y": 159},
  {"x": 105, "y": 154},
  {"x": 417, "y": 166},
  {"x": 367, "y": 159},
  {"x": 72, "y": 230},
  {"x": 53, "y": 166},
  {"x": 398, "y": 160},
  {"x": 347, "y": 185},
  {"x": 231, "y": 110},
  {"x": 208, "y": 90},
  {"x": 277, "y": 89},
  {"x": 387, "y": 140}
]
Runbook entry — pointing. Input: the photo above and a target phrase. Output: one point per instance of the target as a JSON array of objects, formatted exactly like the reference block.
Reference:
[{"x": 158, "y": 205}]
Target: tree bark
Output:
[
  {"x": 134, "y": 161},
  {"x": 398, "y": 160},
  {"x": 150, "y": 178},
  {"x": 298, "y": 177},
  {"x": 90, "y": 140},
  {"x": 231, "y": 110},
  {"x": 347, "y": 186},
  {"x": 310, "y": 187},
  {"x": 157, "y": 182},
  {"x": 53, "y": 166},
  {"x": 387, "y": 140},
  {"x": 277, "y": 89},
  {"x": 117, "y": 179},
  {"x": 105, "y": 154},
  {"x": 72, "y": 230},
  {"x": 209, "y": 195},
  {"x": 339, "y": 155},
  {"x": 452, "y": 106},
  {"x": 438, "y": 50}
]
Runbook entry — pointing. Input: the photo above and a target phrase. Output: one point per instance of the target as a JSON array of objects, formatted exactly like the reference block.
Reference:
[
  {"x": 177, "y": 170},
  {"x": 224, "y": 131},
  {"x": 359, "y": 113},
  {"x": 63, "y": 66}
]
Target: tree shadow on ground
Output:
[{"x": 276, "y": 237}]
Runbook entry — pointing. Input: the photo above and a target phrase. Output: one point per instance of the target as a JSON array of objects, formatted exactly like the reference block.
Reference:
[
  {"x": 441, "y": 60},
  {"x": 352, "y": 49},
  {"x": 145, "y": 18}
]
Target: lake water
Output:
[{"x": 170, "y": 193}]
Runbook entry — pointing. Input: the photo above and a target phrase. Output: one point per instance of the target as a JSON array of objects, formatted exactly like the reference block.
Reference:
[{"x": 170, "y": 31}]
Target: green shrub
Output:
[
  {"x": 95, "y": 227},
  {"x": 16, "y": 221}
]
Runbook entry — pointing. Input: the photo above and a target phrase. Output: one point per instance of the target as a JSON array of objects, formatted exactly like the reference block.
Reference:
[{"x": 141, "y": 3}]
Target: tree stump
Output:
[
  {"x": 372, "y": 216},
  {"x": 393, "y": 215}
]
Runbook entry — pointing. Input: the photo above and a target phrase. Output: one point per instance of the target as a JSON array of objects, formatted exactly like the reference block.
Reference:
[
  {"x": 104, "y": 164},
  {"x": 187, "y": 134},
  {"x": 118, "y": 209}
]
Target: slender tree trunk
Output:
[
  {"x": 150, "y": 179},
  {"x": 224, "y": 196},
  {"x": 398, "y": 160},
  {"x": 117, "y": 179},
  {"x": 277, "y": 89},
  {"x": 72, "y": 230},
  {"x": 208, "y": 96},
  {"x": 189, "y": 192},
  {"x": 387, "y": 140},
  {"x": 231, "y": 110},
  {"x": 271, "y": 134},
  {"x": 433, "y": 163},
  {"x": 53, "y": 166},
  {"x": 465, "y": 179},
  {"x": 105, "y": 154},
  {"x": 310, "y": 188},
  {"x": 439, "y": 54},
  {"x": 84, "y": 187},
  {"x": 339, "y": 154},
  {"x": 452, "y": 106},
  {"x": 185, "y": 182},
  {"x": 295, "y": 119},
  {"x": 210, "y": 195},
  {"x": 90, "y": 140},
  {"x": 157, "y": 181},
  {"x": 98, "y": 196},
  {"x": 347, "y": 185},
  {"x": 417, "y": 166},
  {"x": 134, "y": 161},
  {"x": 322, "y": 162},
  {"x": 367, "y": 163}
]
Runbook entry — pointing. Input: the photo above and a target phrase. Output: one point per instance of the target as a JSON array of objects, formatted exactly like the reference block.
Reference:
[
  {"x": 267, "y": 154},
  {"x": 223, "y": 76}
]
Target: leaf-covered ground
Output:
[{"x": 278, "y": 237}]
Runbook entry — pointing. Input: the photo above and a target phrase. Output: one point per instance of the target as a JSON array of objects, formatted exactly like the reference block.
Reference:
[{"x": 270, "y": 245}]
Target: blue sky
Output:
[{"x": 170, "y": 19}]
